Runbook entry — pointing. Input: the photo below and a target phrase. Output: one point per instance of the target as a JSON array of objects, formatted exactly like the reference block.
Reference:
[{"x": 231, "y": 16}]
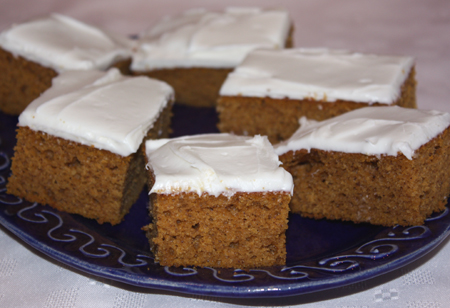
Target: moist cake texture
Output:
[
  {"x": 21, "y": 81},
  {"x": 196, "y": 50},
  {"x": 272, "y": 89},
  {"x": 217, "y": 200},
  {"x": 33, "y": 52},
  {"x": 380, "y": 165},
  {"x": 79, "y": 145}
]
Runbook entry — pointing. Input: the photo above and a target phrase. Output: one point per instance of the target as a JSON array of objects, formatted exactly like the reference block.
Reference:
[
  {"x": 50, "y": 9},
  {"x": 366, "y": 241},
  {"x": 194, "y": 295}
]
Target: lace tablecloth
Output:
[{"x": 404, "y": 27}]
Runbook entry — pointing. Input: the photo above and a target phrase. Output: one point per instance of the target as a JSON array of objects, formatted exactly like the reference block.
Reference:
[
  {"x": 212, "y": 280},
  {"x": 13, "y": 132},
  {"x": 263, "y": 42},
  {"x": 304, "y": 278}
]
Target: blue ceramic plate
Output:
[{"x": 321, "y": 254}]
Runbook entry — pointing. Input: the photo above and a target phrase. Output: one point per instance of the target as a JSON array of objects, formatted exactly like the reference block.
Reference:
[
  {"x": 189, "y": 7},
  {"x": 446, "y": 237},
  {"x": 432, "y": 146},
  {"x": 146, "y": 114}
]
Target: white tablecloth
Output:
[
  {"x": 404, "y": 27},
  {"x": 30, "y": 279}
]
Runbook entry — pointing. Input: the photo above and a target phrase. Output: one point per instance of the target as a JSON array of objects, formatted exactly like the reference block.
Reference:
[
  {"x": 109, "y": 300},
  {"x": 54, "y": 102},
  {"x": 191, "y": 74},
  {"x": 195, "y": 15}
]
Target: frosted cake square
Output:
[
  {"x": 79, "y": 145},
  {"x": 195, "y": 51},
  {"x": 380, "y": 165},
  {"x": 217, "y": 200},
  {"x": 35, "y": 51},
  {"x": 272, "y": 89}
]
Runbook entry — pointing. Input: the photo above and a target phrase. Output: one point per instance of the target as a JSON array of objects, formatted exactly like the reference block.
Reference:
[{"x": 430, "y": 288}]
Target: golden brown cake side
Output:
[
  {"x": 290, "y": 38},
  {"x": 76, "y": 178},
  {"x": 71, "y": 177},
  {"x": 243, "y": 231},
  {"x": 162, "y": 126},
  {"x": 278, "y": 118},
  {"x": 21, "y": 81},
  {"x": 123, "y": 66},
  {"x": 196, "y": 86},
  {"x": 385, "y": 190}
]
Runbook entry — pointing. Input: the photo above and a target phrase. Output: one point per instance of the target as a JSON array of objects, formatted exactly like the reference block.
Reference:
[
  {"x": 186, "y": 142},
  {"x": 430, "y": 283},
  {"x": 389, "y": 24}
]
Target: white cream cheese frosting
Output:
[
  {"x": 216, "y": 164},
  {"x": 63, "y": 43},
  {"x": 319, "y": 74},
  {"x": 102, "y": 109},
  {"x": 201, "y": 38},
  {"x": 370, "y": 131}
]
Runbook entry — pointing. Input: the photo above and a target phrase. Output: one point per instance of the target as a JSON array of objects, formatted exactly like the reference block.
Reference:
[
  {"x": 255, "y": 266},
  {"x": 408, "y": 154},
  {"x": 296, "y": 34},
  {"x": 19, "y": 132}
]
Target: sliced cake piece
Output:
[
  {"x": 272, "y": 89},
  {"x": 217, "y": 200},
  {"x": 33, "y": 52},
  {"x": 196, "y": 50},
  {"x": 381, "y": 165},
  {"x": 79, "y": 145}
]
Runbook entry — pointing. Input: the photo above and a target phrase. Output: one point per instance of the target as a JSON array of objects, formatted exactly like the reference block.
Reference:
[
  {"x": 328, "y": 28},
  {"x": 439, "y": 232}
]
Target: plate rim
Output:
[
  {"x": 298, "y": 287},
  {"x": 232, "y": 290}
]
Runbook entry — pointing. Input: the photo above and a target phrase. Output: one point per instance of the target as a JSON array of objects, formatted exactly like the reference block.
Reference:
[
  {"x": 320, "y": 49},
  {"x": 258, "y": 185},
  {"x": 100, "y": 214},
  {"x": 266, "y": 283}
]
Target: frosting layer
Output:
[
  {"x": 370, "y": 131},
  {"x": 319, "y": 74},
  {"x": 63, "y": 43},
  {"x": 199, "y": 38},
  {"x": 101, "y": 109},
  {"x": 216, "y": 164}
]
